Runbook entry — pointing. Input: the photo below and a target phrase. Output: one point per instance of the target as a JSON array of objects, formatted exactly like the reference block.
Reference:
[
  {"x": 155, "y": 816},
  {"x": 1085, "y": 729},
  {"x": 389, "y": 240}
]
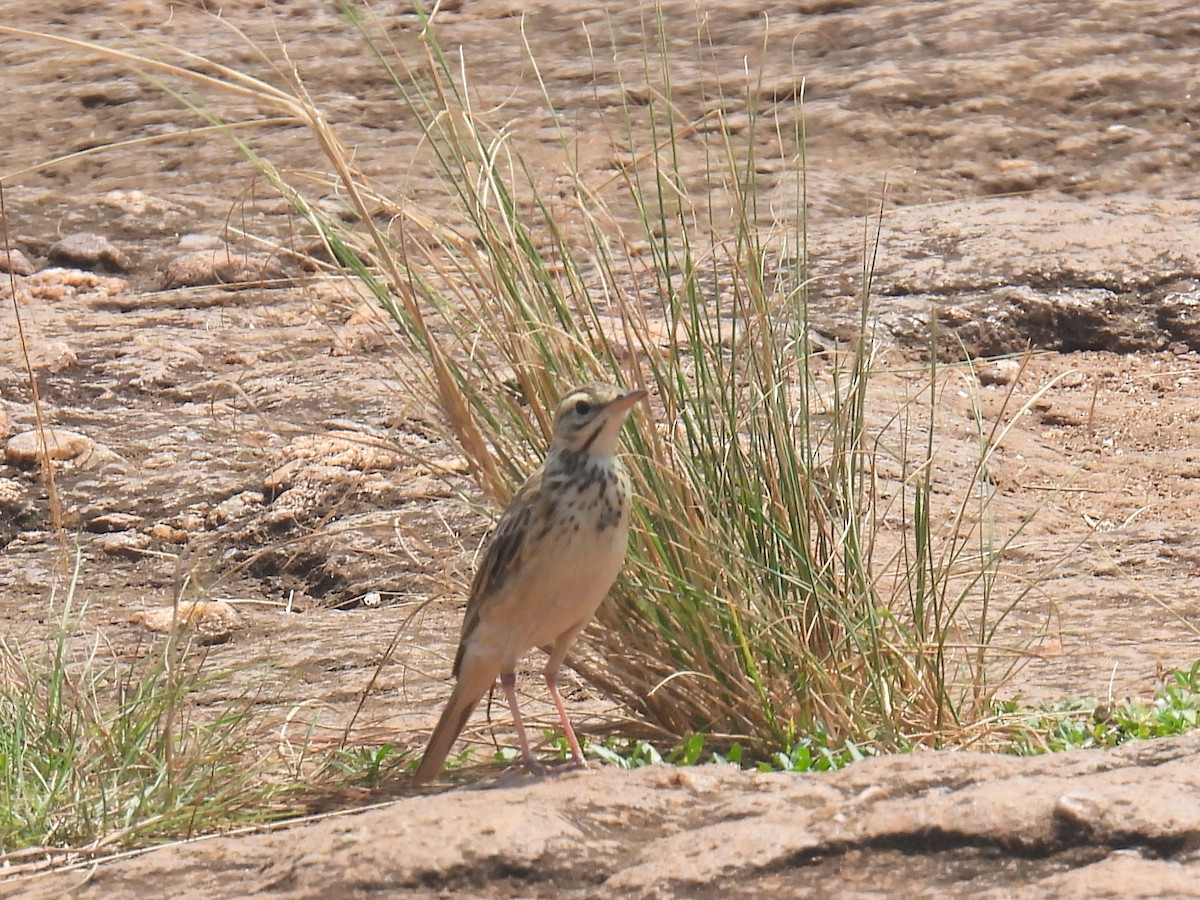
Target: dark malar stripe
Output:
[{"x": 591, "y": 438}]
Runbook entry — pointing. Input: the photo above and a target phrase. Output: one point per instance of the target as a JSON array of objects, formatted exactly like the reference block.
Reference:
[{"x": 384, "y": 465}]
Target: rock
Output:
[
  {"x": 168, "y": 534},
  {"x": 350, "y": 340},
  {"x": 64, "y": 284},
  {"x": 16, "y": 262},
  {"x": 1014, "y": 176},
  {"x": 1004, "y": 274},
  {"x": 214, "y": 621},
  {"x": 1081, "y": 824},
  {"x": 125, "y": 543},
  {"x": 1066, "y": 415},
  {"x": 1179, "y": 314},
  {"x": 54, "y": 356},
  {"x": 366, "y": 314},
  {"x": 1002, "y": 371},
  {"x": 140, "y": 205},
  {"x": 222, "y": 266},
  {"x": 236, "y": 507},
  {"x": 330, "y": 458},
  {"x": 113, "y": 521},
  {"x": 192, "y": 243},
  {"x": 11, "y": 492},
  {"x": 88, "y": 251},
  {"x": 26, "y": 448}
]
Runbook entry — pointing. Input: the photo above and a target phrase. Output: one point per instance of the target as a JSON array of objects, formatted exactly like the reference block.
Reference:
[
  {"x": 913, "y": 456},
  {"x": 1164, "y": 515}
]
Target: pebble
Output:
[
  {"x": 168, "y": 534},
  {"x": 213, "y": 620},
  {"x": 1002, "y": 371},
  {"x": 139, "y": 204},
  {"x": 233, "y": 508},
  {"x": 221, "y": 266},
  {"x": 329, "y": 458},
  {"x": 25, "y": 449},
  {"x": 88, "y": 251},
  {"x": 125, "y": 543},
  {"x": 352, "y": 340},
  {"x": 190, "y": 243},
  {"x": 113, "y": 521},
  {"x": 55, "y": 356},
  {"x": 16, "y": 262},
  {"x": 11, "y": 492},
  {"x": 57, "y": 284}
]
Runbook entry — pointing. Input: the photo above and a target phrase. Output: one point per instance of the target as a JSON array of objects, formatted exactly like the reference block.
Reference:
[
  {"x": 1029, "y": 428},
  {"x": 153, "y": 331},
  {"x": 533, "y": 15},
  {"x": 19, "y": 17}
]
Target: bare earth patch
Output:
[{"x": 247, "y": 442}]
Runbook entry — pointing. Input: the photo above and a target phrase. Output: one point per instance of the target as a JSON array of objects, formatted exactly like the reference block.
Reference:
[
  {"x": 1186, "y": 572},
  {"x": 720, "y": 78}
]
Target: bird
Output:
[{"x": 546, "y": 568}]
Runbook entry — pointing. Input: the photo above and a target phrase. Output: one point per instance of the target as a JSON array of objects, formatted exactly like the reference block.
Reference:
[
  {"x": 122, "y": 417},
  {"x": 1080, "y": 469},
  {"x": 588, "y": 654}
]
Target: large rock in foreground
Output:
[{"x": 1084, "y": 824}]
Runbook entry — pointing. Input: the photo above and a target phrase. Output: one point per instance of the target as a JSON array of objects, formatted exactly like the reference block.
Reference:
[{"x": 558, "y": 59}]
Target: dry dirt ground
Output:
[{"x": 1042, "y": 169}]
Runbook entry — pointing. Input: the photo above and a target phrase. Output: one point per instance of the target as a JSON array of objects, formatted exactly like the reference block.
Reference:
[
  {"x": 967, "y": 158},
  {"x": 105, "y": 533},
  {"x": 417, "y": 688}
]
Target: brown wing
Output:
[{"x": 505, "y": 547}]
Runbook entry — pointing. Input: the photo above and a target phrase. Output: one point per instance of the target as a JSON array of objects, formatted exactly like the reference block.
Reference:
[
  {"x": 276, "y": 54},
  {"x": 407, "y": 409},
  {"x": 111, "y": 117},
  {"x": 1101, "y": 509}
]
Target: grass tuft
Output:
[
  {"x": 777, "y": 586},
  {"x": 97, "y": 754}
]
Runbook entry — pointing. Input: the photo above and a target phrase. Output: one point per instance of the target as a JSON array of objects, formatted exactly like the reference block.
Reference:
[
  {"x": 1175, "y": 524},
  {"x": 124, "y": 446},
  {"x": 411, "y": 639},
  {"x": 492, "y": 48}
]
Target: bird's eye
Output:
[{"x": 582, "y": 408}]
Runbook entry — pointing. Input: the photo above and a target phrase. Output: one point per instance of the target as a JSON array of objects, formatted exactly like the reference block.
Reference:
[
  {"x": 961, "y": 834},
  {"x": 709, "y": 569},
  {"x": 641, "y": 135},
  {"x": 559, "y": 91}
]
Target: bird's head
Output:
[{"x": 589, "y": 418}]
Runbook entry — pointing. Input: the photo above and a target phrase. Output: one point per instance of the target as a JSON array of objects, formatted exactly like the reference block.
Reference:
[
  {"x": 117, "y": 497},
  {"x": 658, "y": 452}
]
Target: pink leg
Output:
[
  {"x": 508, "y": 681},
  {"x": 576, "y": 753}
]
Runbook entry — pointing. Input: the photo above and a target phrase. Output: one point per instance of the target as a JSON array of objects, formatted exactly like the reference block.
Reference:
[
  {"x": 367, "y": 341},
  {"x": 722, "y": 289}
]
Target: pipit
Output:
[{"x": 547, "y": 567}]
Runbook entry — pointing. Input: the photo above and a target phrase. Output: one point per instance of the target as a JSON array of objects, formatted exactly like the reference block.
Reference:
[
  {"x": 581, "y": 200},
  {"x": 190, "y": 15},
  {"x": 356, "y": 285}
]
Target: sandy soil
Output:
[{"x": 1042, "y": 191}]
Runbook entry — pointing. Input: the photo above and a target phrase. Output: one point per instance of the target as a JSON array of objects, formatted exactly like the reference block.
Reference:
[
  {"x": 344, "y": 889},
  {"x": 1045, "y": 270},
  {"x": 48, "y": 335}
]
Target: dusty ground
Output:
[{"x": 1043, "y": 191}]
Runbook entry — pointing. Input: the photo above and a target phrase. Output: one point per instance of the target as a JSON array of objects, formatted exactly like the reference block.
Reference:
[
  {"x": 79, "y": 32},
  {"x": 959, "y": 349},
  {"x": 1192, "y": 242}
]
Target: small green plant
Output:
[
  {"x": 812, "y": 753},
  {"x": 1090, "y": 723},
  {"x": 625, "y": 753},
  {"x": 370, "y": 766}
]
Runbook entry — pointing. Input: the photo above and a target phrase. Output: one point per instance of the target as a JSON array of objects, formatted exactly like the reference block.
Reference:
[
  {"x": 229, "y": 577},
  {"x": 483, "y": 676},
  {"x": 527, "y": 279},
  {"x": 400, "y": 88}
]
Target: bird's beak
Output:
[{"x": 627, "y": 402}]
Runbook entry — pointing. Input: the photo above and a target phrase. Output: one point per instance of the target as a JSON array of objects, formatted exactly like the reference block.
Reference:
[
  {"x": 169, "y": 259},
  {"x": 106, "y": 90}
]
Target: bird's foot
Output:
[
  {"x": 570, "y": 765},
  {"x": 541, "y": 770},
  {"x": 535, "y": 768}
]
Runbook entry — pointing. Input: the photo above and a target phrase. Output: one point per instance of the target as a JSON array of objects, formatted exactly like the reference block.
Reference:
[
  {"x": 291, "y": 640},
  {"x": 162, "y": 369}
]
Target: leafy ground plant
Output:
[
  {"x": 1089, "y": 723},
  {"x": 1082, "y": 724}
]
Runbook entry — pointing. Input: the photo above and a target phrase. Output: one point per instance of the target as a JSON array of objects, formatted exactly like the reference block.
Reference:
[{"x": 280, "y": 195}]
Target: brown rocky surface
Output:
[
  {"x": 1122, "y": 823},
  {"x": 1043, "y": 190}
]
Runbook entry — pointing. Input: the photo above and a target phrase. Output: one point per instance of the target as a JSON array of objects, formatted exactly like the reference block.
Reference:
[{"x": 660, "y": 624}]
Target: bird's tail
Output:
[{"x": 464, "y": 698}]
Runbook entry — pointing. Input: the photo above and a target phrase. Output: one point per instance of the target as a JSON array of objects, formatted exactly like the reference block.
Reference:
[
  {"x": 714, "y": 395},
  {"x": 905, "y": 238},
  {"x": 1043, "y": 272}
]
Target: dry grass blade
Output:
[{"x": 44, "y": 439}]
